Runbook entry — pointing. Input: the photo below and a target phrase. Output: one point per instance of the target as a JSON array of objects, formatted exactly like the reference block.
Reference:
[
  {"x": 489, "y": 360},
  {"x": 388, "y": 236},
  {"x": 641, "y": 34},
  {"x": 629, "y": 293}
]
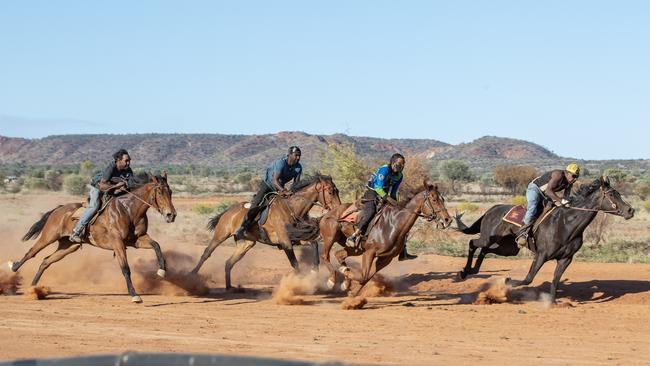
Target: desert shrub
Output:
[
  {"x": 646, "y": 205},
  {"x": 203, "y": 208},
  {"x": 455, "y": 171},
  {"x": 519, "y": 200},
  {"x": 348, "y": 171},
  {"x": 467, "y": 207},
  {"x": 514, "y": 178},
  {"x": 35, "y": 183},
  {"x": 54, "y": 180},
  {"x": 223, "y": 206},
  {"x": 74, "y": 184}
]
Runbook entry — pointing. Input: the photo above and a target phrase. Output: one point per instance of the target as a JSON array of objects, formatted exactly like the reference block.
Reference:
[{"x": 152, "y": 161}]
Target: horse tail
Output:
[
  {"x": 475, "y": 228},
  {"x": 212, "y": 223},
  {"x": 38, "y": 226},
  {"x": 304, "y": 230}
]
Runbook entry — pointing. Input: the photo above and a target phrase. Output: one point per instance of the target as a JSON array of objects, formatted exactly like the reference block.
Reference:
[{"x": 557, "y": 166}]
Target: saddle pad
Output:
[
  {"x": 515, "y": 216},
  {"x": 352, "y": 218}
]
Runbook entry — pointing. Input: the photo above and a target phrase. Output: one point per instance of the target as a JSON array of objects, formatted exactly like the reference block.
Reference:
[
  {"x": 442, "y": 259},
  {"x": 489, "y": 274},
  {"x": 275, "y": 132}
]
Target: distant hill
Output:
[{"x": 255, "y": 151}]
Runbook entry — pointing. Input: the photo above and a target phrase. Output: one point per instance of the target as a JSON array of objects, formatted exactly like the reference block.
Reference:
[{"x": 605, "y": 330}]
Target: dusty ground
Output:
[{"x": 428, "y": 318}]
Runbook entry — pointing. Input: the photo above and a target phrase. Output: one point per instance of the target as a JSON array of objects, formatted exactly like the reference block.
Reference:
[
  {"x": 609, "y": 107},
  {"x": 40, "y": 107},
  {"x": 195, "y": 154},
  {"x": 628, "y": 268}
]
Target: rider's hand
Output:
[
  {"x": 391, "y": 200},
  {"x": 120, "y": 186}
]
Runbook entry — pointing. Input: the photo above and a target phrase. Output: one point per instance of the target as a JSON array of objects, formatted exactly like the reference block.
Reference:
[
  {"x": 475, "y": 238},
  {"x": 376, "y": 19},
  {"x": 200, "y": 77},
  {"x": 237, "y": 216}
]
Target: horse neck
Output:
[
  {"x": 303, "y": 200},
  {"x": 405, "y": 218},
  {"x": 582, "y": 219},
  {"x": 136, "y": 207}
]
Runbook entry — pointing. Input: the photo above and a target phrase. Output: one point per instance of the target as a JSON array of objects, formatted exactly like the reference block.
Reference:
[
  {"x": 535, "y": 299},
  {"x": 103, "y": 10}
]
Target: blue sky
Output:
[{"x": 573, "y": 76}]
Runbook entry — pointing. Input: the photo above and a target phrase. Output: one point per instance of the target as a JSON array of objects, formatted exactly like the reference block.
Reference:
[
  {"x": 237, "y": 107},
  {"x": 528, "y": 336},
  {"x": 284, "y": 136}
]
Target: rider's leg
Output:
[
  {"x": 367, "y": 213},
  {"x": 262, "y": 191},
  {"x": 93, "y": 206},
  {"x": 535, "y": 199}
]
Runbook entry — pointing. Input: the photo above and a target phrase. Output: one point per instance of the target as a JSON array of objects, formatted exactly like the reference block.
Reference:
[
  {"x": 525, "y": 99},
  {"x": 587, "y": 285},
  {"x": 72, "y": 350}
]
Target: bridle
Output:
[
  {"x": 157, "y": 206},
  {"x": 605, "y": 194},
  {"x": 427, "y": 202}
]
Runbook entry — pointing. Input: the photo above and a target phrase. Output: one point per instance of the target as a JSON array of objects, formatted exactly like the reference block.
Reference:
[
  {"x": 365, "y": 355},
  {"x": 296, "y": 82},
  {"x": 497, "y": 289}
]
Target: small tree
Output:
[
  {"x": 615, "y": 174},
  {"x": 54, "y": 180},
  {"x": 347, "y": 170},
  {"x": 417, "y": 169},
  {"x": 455, "y": 171},
  {"x": 75, "y": 184},
  {"x": 86, "y": 168},
  {"x": 514, "y": 178}
]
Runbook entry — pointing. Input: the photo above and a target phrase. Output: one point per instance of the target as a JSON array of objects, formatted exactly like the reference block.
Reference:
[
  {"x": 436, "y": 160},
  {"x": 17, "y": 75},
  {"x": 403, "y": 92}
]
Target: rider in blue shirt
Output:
[
  {"x": 382, "y": 185},
  {"x": 279, "y": 173}
]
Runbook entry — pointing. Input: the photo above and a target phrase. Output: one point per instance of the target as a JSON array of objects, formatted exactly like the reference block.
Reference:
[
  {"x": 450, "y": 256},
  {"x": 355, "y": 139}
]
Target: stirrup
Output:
[{"x": 522, "y": 240}]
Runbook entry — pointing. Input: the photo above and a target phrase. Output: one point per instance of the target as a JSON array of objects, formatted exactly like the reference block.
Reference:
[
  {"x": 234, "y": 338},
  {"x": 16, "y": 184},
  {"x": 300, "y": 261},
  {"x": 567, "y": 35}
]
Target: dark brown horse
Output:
[
  {"x": 123, "y": 223},
  {"x": 558, "y": 237},
  {"x": 386, "y": 238},
  {"x": 319, "y": 189}
]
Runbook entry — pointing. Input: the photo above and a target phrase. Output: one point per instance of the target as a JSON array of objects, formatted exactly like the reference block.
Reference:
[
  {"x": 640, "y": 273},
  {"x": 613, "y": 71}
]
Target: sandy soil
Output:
[{"x": 426, "y": 315}]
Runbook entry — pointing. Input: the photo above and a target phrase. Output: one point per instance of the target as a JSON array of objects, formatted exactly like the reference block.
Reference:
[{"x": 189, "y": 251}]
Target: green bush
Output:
[
  {"x": 223, "y": 206},
  {"x": 75, "y": 184},
  {"x": 646, "y": 205},
  {"x": 203, "y": 208},
  {"x": 36, "y": 183},
  {"x": 519, "y": 200},
  {"x": 467, "y": 207}
]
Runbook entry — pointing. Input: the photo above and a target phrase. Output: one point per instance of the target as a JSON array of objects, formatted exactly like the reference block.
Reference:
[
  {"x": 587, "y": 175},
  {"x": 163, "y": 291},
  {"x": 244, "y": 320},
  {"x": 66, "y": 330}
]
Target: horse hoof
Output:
[
  {"x": 462, "y": 275},
  {"x": 344, "y": 269},
  {"x": 330, "y": 284},
  {"x": 161, "y": 273},
  {"x": 345, "y": 286},
  {"x": 313, "y": 271},
  {"x": 136, "y": 299},
  {"x": 11, "y": 266}
]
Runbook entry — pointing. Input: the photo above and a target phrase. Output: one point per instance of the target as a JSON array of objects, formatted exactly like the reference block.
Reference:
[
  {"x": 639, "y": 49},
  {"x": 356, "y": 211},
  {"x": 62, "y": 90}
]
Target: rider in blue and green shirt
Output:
[{"x": 382, "y": 185}]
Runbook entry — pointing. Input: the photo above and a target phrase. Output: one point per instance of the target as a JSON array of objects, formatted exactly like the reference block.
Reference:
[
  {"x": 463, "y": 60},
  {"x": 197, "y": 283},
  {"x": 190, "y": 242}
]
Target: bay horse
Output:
[
  {"x": 385, "y": 240},
  {"x": 558, "y": 237},
  {"x": 316, "y": 190},
  {"x": 122, "y": 224}
]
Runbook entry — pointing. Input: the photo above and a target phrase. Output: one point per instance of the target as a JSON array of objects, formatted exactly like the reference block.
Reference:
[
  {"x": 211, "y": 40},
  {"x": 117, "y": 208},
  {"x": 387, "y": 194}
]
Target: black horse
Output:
[{"x": 558, "y": 237}]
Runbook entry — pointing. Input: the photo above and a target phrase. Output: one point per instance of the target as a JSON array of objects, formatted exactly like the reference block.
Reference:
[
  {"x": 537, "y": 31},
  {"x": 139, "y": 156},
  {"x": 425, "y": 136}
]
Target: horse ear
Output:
[
  {"x": 606, "y": 181},
  {"x": 164, "y": 174},
  {"x": 154, "y": 178}
]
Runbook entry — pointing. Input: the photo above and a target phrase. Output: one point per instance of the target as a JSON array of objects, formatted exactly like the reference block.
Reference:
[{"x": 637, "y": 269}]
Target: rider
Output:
[
  {"x": 382, "y": 185},
  {"x": 545, "y": 187},
  {"x": 279, "y": 173},
  {"x": 108, "y": 181}
]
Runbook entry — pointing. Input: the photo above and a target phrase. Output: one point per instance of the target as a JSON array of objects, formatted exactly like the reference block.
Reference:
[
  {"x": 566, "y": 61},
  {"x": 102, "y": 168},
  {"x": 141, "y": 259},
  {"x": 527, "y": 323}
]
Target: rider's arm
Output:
[
  {"x": 393, "y": 190},
  {"x": 296, "y": 179},
  {"x": 556, "y": 178},
  {"x": 378, "y": 183},
  {"x": 276, "y": 181}
]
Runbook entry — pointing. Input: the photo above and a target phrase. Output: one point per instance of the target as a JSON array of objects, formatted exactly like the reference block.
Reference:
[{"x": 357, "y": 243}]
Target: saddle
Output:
[
  {"x": 104, "y": 201},
  {"x": 263, "y": 214}
]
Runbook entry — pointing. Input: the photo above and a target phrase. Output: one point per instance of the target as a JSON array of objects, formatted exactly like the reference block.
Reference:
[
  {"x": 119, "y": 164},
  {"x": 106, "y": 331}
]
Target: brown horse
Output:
[
  {"x": 386, "y": 238},
  {"x": 122, "y": 224},
  {"x": 319, "y": 189}
]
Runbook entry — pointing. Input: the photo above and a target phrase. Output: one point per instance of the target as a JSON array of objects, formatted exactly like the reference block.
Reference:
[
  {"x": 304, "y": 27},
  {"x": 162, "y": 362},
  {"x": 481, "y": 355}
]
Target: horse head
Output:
[
  {"x": 433, "y": 205},
  {"x": 328, "y": 194},
  {"x": 162, "y": 197},
  {"x": 613, "y": 202}
]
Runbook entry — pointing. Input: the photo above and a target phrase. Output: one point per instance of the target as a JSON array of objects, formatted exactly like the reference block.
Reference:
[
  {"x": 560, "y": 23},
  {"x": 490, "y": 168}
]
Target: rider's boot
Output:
[
  {"x": 522, "y": 235},
  {"x": 355, "y": 238}
]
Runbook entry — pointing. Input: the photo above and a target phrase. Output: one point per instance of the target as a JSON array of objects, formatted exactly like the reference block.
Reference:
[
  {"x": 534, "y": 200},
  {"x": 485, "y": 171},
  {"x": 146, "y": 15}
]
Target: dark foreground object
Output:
[{"x": 162, "y": 359}]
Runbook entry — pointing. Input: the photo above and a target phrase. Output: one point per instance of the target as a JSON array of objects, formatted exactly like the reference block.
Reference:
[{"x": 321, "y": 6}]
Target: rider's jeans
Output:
[{"x": 93, "y": 206}]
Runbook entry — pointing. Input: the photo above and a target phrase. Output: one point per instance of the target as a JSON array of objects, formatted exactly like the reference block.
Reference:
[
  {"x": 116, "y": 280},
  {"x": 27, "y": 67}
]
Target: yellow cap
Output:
[{"x": 573, "y": 168}]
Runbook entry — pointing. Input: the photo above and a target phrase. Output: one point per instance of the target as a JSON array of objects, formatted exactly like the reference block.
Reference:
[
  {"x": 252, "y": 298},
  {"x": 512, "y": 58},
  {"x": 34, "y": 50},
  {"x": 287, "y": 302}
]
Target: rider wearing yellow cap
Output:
[{"x": 545, "y": 187}]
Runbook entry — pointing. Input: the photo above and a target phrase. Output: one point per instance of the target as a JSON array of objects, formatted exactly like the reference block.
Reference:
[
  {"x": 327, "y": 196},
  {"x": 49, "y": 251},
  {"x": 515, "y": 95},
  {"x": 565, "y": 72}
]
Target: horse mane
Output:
[
  {"x": 309, "y": 180},
  {"x": 587, "y": 189},
  {"x": 409, "y": 194},
  {"x": 139, "y": 179}
]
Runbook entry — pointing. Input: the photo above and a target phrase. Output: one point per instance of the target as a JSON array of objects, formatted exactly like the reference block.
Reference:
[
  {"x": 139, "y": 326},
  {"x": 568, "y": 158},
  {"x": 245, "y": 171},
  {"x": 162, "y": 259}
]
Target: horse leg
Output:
[
  {"x": 316, "y": 262},
  {"x": 538, "y": 262},
  {"x": 325, "y": 258},
  {"x": 120, "y": 252},
  {"x": 43, "y": 241},
  {"x": 341, "y": 255},
  {"x": 145, "y": 242},
  {"x": 561, "y": 266},
  {"x": 380, "y": 263},
  {"x": 470, "y": 257},
  {"x": 479, "y": 260},
  {"x": 292, "y": 258},
  {"x": 216, "y": 240},
  {"x": 243, "y": 246},
  {"x": 63, "y": 250}
]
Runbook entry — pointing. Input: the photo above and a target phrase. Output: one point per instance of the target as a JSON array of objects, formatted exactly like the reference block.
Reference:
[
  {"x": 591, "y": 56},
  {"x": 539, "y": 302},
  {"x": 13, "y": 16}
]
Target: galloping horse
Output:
[
  {"x": 319, "y": 189},
  {"x": 122, "y": 224},
  {"x": 386, "y": 238},
  {"x": 558, "y": 237}
]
